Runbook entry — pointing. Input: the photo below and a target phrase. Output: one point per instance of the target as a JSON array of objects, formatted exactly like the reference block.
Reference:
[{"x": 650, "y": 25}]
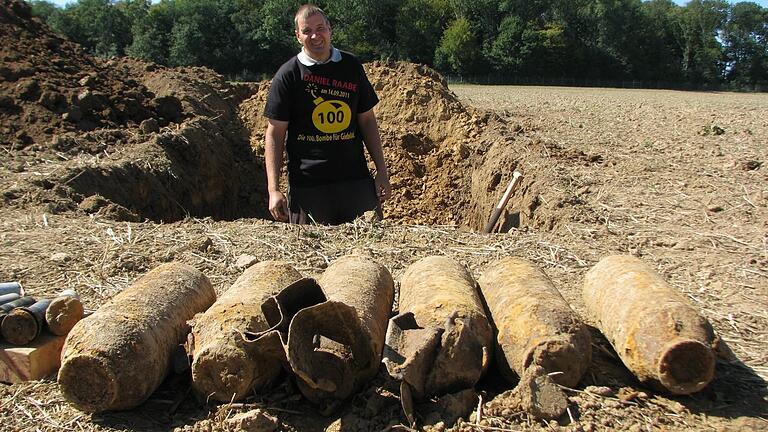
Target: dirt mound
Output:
[
  {"x": 123, "y": 138},
  {"x": 449, "y": 163},
  {"x": 132, "y": 140},
  {"x": 49, "y": 85}
]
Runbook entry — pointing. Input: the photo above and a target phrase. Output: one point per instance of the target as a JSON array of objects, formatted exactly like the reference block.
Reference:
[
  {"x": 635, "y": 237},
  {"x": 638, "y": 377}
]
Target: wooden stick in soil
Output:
[
  {"x": 502, "y": 203},
  {"x": 115, "y": 358}
]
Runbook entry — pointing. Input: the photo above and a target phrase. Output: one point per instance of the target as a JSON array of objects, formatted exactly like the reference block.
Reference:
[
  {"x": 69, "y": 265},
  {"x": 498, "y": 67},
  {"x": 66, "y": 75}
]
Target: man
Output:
[{"x": 322, "y": 101}]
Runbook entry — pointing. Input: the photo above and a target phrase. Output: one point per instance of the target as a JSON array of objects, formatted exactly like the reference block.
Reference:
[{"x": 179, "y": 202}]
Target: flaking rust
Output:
[
  {"x": 441, "y": 340},
  {"x": 224, "y": 365},
  {"x": 658, "y": 335},
  {"x": 335, "y": 347},
  {"x": 115, "y": 358},
  {"x": 534, "y": 325}
]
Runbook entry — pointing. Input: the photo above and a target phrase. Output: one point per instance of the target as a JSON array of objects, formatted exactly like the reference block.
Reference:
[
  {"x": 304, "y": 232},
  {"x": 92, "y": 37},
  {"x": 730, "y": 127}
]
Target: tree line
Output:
[{"x": 705, "y": 42}]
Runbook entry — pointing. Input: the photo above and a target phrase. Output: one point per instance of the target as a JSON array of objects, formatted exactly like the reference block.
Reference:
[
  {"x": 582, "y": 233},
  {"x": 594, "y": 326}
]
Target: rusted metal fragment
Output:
[
  {"x": 224, "y": 367},
  {"x": 534, "y": 324},
  {"x": 658, "y": 335},
  {"x": 279, "y": 310},
  {"x": 24, "y": 324},
  {"x": 64, "y": 312},
  {"x": 335, "y": 347},
  {"x": 440, "y": 343},
  {"x": 115, "y": 358}
]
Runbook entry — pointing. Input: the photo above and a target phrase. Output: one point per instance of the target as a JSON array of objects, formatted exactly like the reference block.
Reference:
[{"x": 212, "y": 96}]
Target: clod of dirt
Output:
[
  {"x": 748, "y": 165},
  {"x": 253, "y": 421},
  {"x": 540, "y": 396}
]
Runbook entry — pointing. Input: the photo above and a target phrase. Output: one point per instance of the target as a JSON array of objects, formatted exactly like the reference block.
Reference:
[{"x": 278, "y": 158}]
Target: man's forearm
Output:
[
  {"x": 274, "y": 144},
  {"x": 370, "y": 130}
]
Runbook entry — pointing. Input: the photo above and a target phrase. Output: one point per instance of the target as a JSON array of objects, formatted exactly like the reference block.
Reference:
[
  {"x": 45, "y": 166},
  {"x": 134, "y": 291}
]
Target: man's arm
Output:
[
  {"x": 370, "y": 130},
  {"x": 274, "y": 144}
]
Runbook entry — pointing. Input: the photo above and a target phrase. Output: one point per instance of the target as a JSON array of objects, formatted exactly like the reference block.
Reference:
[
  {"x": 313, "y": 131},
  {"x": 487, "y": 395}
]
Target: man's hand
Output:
[
  {"x": 383, "y": 188},
  {"x": 278, "y": 206}
]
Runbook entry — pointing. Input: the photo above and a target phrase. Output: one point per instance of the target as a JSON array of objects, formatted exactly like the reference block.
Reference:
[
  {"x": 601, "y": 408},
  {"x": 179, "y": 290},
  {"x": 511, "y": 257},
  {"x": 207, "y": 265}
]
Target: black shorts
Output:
[{"x": 333, "y": 204}]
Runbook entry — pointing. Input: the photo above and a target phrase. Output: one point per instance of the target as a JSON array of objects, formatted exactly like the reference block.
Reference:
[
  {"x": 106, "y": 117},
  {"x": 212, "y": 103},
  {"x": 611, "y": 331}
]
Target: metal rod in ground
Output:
[
  {"x": 502, "y": 203},
  {"x": 441, "y": 341},
  {"x": 655, "y": 331},
  {"x": 335, "y": 347},
  {"x": 534, "y": 325},
  {"x": 224, "y": 367},
  {"x": 115, "y": 358},
  {"x": 64, "y": 312},
  {"x": 7, "y": 298},
  {"x": 24, "y": 324},
  {"x": 11, "y": 288}
]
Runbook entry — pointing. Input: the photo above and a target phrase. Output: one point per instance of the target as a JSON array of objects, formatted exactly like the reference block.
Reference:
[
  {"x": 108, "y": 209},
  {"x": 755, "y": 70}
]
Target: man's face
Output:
[{"x": 314, "y": 33}]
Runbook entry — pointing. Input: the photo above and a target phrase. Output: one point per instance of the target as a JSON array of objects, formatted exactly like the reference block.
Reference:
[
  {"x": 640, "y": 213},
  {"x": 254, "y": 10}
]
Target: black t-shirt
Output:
[{"x": 321, "y": 103}]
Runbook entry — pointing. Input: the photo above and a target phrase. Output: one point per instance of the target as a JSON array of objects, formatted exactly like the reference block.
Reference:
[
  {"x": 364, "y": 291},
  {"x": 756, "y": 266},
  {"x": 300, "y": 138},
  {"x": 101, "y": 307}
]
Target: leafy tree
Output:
[
  {"x": 698, "y": 25},
  {"x": 95, "y": 24},
  {"x": 365, "y": 27},
  {"x": 420, "y": 24},
  {"x": 459, "y": 49},
  {"x": 656, "y": 37},
  {"x": 745, "y": 37},
  {"x": 43, "y": 9}
]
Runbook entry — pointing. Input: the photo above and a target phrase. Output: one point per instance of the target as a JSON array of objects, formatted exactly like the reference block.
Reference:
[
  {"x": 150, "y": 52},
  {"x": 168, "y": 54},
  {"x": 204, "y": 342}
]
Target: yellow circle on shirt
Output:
[{"x": 332, "y": 116}]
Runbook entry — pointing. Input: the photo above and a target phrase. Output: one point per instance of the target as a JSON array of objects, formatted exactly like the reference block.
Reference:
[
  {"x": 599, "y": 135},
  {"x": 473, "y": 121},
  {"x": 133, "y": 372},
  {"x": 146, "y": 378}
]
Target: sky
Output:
[{"x": 763, "y": 3}]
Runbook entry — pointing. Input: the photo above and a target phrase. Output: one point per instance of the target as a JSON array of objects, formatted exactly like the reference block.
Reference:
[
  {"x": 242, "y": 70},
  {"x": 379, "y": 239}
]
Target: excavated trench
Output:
[
  {"x": 131, "y": 140},
  {"x": 449, "y": 164}
]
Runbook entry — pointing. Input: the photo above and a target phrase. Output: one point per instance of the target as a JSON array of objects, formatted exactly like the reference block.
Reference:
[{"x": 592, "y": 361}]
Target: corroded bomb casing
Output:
[
  {"x": 24, "y": 324},
  {"x": 11, "y": 288},
  {"x": 64, "y": 312},
  {"x": 7, "y": 298},
  {"x": 534, "y": 324},
  {"x": 223, "y": 366},
  {"x": 441, "y": 340},
  {"x": 335, "y": 347},
  {"x": 659, "y": 336},
  {"x": 115, "y": 358}
]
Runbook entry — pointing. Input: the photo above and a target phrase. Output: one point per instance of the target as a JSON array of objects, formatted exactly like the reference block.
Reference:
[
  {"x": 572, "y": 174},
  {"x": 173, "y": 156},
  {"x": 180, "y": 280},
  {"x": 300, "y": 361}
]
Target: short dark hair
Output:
[{"x": 308, "y": 10}]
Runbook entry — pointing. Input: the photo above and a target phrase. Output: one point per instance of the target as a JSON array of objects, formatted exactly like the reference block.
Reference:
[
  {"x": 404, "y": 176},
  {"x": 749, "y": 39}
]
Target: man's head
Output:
[{"x": 313, "y": 31}]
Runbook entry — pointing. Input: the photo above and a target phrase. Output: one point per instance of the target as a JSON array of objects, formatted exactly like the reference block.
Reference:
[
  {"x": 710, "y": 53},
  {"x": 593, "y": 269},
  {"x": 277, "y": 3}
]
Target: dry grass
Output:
[{"x": 655, "y": 193}]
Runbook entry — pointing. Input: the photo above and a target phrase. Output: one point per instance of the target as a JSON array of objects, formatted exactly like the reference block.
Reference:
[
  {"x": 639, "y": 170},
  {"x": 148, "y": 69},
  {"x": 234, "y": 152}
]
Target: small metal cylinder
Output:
[
  {"x": 64, "y": 312},
  {"x": 655, "y": 331},
  {"x": 11, "y": 288},
  {"x": 23, "y": 301},
  {"x": 7, "y": 298},
  {"x": 24, "y": 324},
  {"x": 534, "y": 324}
]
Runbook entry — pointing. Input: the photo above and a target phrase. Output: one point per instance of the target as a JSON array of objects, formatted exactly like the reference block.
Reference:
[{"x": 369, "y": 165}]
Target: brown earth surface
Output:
[{"x": 111, "y": 167}]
